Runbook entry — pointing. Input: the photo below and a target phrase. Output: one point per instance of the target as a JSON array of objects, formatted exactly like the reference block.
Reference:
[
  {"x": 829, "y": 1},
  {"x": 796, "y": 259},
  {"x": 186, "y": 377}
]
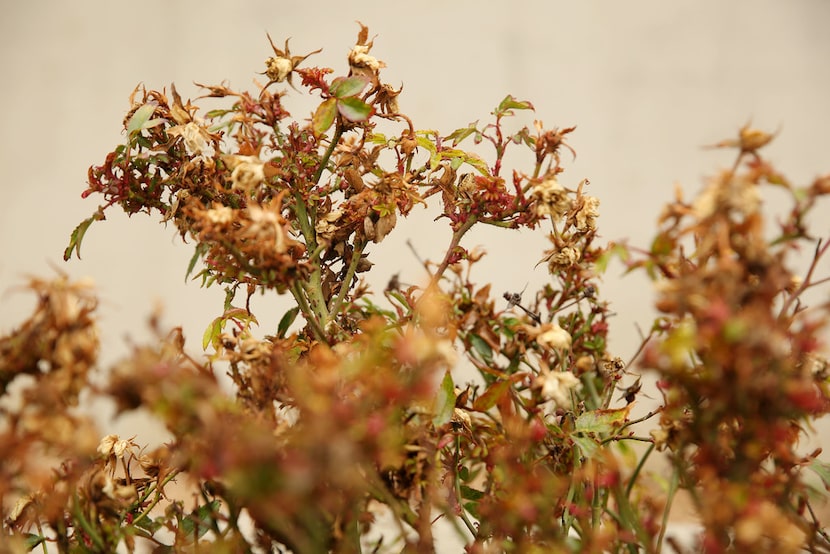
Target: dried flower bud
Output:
[
  {"x": 461, "y": 417},
  {"x": 551, "y": 198},
  {"x": 246, "y": 171},
  {"x": 359, "y": 58},
  {"x": 554, "y": 337},
  {"x": 278, "y": 68},
  {"x": 387, "y": 99},
  {"x": 106, "y": 445},
  {"x": 198, "y": 143},
  {"x": 753, "y": 139},
  {"x": 557, "y": 386},
  {"x": 327, "y": 226},
  {"x": 563, "y": 258},
  {"x": 727, "y": 193},
  {"x": 265, "y": 223},
  {"x": 221, "y": 215},
  {"x": 587, "y": 214}
]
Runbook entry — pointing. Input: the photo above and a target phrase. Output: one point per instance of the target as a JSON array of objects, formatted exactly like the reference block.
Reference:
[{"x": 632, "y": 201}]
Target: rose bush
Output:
[{"x": 359, "y": 406}]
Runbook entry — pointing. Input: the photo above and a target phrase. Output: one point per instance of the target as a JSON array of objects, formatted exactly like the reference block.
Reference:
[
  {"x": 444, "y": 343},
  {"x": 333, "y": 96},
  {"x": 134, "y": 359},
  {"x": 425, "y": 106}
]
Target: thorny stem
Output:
[
  {"x": 299, "y": 295},
  {"x": 314, "y": 289},
  {"x": 357, "y": 252},
  {"x": 456, "y": 240}
]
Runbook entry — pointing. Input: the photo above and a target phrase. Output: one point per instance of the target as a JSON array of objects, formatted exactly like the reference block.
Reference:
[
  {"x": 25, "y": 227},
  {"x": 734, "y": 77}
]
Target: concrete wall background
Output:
[{"x": 647, "y": 82}]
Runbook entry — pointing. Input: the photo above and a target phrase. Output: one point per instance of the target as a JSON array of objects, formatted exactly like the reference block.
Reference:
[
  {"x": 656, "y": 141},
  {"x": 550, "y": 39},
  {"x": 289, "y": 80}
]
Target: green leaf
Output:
[
  {"x": 149, "y": 524},
  {"x": 481, "y": 346},
  {"x": 343, "y": 87},
  {"x": 469, "y": 493},
  {"x": 601, "y": 422},
  {"x": 200, "y": 519},
  {"x": 324, "y": 116},
  {"x": 198, "y": 252},
  {"x": 286, "y": 321},
  {"x": 822, "y": 469},
  {"x": 354, "y": 109},
  {"x": 509, "y": 103},
  {"x": 587, "y": 446},
  {"x": 460, "y": 134},
  {"x": 477, "y": 163},
  {"x": 78, "y": 235},
  {"x": 445, "y": 401},
  {"x": 614, "y": 251},
  {"x": 211, "y": 334},
  {"x": 377, "y": 138},
  {"x": 491, "y": 396},
  {"x": 33, "y": 540},
  {"x": 141, "y": 119}
]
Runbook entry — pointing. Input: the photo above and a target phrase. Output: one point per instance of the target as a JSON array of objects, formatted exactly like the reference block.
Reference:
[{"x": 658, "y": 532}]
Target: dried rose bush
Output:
[{"x": 354, "y": 409}]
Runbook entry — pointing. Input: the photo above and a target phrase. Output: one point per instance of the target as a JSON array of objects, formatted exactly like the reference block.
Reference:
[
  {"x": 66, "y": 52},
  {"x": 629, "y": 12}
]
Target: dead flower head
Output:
[
  {"x": 551, "y": 198},
  {"x": 557, "y": 386},
  {"x": 280, "y": 67}
]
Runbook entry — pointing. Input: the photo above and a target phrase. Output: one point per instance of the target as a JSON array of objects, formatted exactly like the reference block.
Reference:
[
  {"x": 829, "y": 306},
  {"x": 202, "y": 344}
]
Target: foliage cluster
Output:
[{"x": 353, "y": 409}]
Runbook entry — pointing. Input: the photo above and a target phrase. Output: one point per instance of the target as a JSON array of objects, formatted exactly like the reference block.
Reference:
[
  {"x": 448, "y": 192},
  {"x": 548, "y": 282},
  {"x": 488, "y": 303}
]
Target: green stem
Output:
[
  {"x": 639, "y": 468},
  {"x": 314, "y": 288},
  {"x": 85, "y": 525},
  {"x": 357, "y": 252},
  {"x": 324, "y": 161},
  {"x": 673, "y": 485},
  {"x": 299, "y": 295},
  {"x": 156, "y": 500},
  {"x": 629, "y": 518},
  {"x": 457, "y": 483}
]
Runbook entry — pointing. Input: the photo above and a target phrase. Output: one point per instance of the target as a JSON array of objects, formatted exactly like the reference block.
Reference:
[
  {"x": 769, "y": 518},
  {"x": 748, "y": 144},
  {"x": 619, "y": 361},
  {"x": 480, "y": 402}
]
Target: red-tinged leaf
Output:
[
  {"x": 601, "y": 421},
  {"x": 509, "y": 103},
  {"x": 491, "y": 396},
  {"x": 354, "y": 109},
  {"x": 324, "y": 116},
  {"x": 343, "y": 87},
  {"x": 445, "y": 401}
]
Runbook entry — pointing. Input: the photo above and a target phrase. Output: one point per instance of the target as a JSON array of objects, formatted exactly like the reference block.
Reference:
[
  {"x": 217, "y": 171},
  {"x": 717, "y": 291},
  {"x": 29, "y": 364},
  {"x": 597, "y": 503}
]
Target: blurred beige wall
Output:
[{"x": 647, "y": 83}]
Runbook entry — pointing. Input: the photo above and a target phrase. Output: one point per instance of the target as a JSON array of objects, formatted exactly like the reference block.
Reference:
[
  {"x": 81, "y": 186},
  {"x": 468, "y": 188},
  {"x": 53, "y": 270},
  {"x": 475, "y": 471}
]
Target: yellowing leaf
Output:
[
  {"x": 324, "y": 116},
  {"x": 445, "y": 401},
  {"x": 601, "y": 422}
]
